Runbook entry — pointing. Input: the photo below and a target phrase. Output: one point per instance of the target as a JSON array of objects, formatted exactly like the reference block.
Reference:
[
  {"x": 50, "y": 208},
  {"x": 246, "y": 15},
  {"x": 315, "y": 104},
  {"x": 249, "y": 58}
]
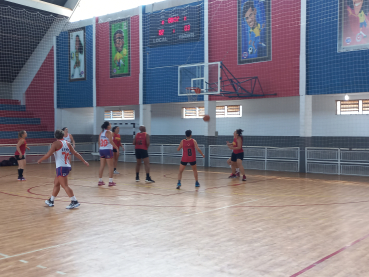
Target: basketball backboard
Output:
[{"x": 194, "y": 75}]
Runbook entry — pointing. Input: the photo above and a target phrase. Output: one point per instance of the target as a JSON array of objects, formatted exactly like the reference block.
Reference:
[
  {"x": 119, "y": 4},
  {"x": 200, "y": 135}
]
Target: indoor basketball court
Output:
[{"x": 184, "y": 138}]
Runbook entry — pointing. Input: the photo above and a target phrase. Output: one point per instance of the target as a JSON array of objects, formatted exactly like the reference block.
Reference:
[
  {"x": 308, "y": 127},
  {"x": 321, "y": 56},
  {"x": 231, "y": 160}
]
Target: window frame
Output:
[
  {"x": 122, "y": 118},
  {"x": 226, "y": 115}
]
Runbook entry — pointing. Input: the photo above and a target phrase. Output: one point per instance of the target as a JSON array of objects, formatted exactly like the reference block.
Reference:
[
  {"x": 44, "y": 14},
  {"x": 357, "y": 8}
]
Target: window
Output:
[
  {"x": 119, "y": 115},
  {"x": 352, "y": 107},
  {"x": 221, "y": 111}
]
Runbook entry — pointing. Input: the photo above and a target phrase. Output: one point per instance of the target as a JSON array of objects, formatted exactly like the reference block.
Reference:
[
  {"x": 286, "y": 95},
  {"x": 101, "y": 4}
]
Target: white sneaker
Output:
[
  {"x": 116, "y": 172},
  {"x": 73, "y": 204}
]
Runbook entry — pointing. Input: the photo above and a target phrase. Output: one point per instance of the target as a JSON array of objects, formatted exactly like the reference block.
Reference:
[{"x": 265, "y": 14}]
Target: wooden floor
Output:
[{"x": 275, "y": 224}]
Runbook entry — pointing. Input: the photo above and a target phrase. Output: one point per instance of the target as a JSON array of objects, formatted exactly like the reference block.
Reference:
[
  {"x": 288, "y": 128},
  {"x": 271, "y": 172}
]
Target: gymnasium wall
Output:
[
  {"x": 75, "y": 94},
  {"x": 280, "y": 75},
  {"x": 330, "y": 72},
  {"x": 123, "y": 90},
  {"x": 78, "y": 121},
  {"x": 161, "y": 63},
  {"x": 6, "y": 90}
]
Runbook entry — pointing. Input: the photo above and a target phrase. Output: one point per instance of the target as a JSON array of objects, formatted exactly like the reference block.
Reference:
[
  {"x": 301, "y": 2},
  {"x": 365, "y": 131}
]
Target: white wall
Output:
[
  {"x": 260, "y": 117},
  {"x": 79, "y": 121},
  {"x": 327, "y": 123},
  {"x": 6, "y": 90}
]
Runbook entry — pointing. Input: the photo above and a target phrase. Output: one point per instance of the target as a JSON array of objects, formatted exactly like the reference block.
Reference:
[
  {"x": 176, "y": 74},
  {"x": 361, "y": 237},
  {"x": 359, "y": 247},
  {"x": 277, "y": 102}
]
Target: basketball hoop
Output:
[{"x": 190, "y": 93}]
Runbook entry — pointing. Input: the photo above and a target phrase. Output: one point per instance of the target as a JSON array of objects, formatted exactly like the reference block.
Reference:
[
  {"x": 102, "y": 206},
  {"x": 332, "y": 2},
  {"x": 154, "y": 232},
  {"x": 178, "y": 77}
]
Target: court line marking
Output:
[
  {"x": 23, "y": 261},
  {"x": 104, "y": 235},
  {"x": 40, "y": 266},
  {"x": 3, "y": 255},
  {"x": 60, "y": 272},
  {"x": 329, "y": 256}
]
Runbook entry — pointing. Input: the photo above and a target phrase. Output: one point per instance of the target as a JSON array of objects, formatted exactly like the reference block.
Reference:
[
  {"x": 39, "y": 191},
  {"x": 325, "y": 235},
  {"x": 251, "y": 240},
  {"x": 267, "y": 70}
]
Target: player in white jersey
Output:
[
  {"x": 106, "y": 153},
  {"x": 61, "y": 150},
  {"x": 68, "y": 137}
]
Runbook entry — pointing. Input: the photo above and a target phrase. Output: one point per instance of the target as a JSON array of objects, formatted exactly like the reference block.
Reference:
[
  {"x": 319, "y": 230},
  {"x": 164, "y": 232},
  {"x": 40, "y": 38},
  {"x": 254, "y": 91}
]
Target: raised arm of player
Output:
[
  {"x": 56, "y": 145},
  {"x": 75, "y": 153},
  {"x": 20, "y": 142},
  {"x": 147, "y": 141},
  {"x": 109, "y": 135},
  {"x": 180, "y": 146},
  {"x": 198, "y": 148}
]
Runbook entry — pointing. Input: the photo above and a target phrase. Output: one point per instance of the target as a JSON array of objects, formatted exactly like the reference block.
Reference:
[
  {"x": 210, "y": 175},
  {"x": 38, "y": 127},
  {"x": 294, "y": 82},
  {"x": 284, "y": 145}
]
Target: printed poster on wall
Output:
[
  {"x": 77, "y": 58},
  {"x": 120, "y": 62},
  {"x": 353, "y": 31},
  {"x": 254, "y": 31}
]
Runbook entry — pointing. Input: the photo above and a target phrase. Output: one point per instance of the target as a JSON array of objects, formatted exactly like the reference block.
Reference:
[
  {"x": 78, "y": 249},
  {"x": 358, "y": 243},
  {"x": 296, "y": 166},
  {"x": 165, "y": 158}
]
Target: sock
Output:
[
  {"x": 100, "y": 180},
  {"x": 52, "y": 198},
  {"x": 179, "y": 181},
  {"x": 21, "y": 172},
  {"x": 137, "y": 174},
  {"x": 115, "y": 169},
  {"x": 73, "y": 198},
  {"x": 19, "y": 175},
  {"x": 110, "y": 180},
  {"x": 147, "y": 175}
]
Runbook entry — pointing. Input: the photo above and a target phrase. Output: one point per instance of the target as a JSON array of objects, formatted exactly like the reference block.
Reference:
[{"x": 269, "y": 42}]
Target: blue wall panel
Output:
[
  {"x": 330, "y": 72},
  {"x": 161, "y": 64},
  {"x": 75, "y": 94}
]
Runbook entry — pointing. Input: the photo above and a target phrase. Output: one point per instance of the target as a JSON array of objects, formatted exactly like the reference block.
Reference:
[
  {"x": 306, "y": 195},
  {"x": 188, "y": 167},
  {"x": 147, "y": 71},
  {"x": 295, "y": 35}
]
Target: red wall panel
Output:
[
  {"x": 116, "y": 91},
  {"x": 281, "y": 74},
  {"x": 40, "y": 93}
]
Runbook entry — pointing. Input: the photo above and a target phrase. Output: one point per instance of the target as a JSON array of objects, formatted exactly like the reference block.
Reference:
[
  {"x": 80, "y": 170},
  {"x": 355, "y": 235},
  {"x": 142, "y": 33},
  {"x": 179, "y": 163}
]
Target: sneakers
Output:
[
  {"x": 112, "y": 184},
  {"x": 197, "y": 185},
  {"x": 73, "y": 204},
  {"x": 244, "y": 178},
  {"x": 21, "y": 179},
  {"x": 149, "y": 180},
  {"x": 137, "y": 179},
  {"x": 49, "y": 203},
  {"x": 101, "y": 183},
  {"x": 178, "y": 185},
  {"x": 238, "y": 174},
  {"x": 116, "y": 172},
  {"x": 232, "y": 176}
]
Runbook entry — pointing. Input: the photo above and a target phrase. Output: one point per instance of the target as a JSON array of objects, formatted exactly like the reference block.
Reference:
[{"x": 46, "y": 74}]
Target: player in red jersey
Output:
[
  {"x": 237, "y": 154},
  {"x": 142, "y": 143},
  {"x": 189, "y": 156},
  {"x": 19, "y": 154},
  {"x": 118, "y": 143}
]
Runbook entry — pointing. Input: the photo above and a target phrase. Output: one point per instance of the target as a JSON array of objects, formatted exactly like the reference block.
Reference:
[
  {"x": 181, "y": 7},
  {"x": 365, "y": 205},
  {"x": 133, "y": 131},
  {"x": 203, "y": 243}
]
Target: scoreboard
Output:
[{"x": 180, "y": 25}]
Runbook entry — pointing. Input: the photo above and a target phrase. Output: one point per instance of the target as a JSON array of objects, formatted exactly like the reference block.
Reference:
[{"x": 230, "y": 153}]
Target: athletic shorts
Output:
[
  {"x": 236, "y": 157},
  {"x": 185, "y": 163},
  {"x": 18, "y": 159},
  {"x": 363, "y": 24},
  {"x": 141, "y": 154},
  {"x": 106, "y": 154},
  {"x": 115, "y": 150},
  {"x": 63, "y": 171}
]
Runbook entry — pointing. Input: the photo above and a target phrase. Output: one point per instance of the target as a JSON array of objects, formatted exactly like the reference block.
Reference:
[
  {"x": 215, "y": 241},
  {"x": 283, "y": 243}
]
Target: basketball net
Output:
[{"x": 192, "y": 93}]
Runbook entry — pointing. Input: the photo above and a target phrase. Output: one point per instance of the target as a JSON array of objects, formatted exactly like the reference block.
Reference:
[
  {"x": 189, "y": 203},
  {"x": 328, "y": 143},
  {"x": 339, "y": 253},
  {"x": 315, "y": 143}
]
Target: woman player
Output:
[
  {"x": 106, "y": 153},
  {"x": 237, "y": 154},
  {"x": 188, "y": 156},
  {"x": 117, "y": 141},
  {"x": 68, "y": 137},
  {"x": 61, "y": 150},
  {"x": 19, "y": 154}
]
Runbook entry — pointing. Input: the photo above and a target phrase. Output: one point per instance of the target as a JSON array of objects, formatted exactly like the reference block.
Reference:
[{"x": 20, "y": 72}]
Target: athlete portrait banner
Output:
[
  {"x": 120, "y": 62},
  {"x": 254, "y": 31},
  {"x": 77, "y": 55},
  {"x": 353, "y": 30}
]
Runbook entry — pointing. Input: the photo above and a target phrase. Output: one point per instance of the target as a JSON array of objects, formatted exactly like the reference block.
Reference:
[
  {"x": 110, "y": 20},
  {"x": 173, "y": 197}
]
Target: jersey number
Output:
[
  {"x": 103, "y": 142},
  {"x": 189, "y": 152},
  {"x": 66, "y": 156}
]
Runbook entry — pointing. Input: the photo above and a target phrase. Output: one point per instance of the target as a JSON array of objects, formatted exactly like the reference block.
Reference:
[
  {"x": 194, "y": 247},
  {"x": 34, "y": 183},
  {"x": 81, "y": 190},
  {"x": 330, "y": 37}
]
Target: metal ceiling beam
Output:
[{"x": 44, "y": 6}]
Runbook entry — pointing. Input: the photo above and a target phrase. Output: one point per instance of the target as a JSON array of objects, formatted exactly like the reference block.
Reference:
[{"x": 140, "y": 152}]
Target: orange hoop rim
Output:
[{"x": 195, "y": 89}]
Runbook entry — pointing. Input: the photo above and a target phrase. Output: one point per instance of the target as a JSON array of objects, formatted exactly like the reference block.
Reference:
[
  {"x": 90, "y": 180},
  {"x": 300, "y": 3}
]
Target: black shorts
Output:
[
  {"x": 185, "y": 163},
  {"x": 18, "y": 159},
  {"x": 236, "y": 157},
  {"x": 115, "y": 150},
  {"x": 141, "y": 154}
]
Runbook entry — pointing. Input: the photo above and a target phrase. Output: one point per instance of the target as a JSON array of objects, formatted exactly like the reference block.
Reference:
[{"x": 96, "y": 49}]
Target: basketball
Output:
[{"x": 206, "y": 118}]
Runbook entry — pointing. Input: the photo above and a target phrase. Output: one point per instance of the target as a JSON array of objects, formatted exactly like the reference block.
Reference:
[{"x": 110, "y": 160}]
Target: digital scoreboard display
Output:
[{"x": 175, "y": 26}]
